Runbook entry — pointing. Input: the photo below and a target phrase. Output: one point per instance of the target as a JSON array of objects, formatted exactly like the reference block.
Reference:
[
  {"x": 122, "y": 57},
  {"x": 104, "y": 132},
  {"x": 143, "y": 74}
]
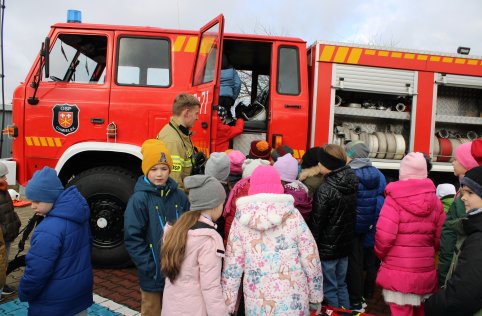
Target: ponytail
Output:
[{"x": 174, "y": 246}]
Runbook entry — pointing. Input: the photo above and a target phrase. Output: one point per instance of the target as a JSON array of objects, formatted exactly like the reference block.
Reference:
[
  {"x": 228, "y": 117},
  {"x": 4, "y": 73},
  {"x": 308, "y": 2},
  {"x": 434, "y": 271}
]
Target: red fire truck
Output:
[{"x": 96, "y": 92}]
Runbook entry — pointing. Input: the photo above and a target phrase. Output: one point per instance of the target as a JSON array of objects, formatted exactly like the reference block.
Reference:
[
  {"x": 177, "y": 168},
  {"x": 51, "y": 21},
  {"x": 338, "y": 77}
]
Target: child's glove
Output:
[{"x": 315, "y": 307}]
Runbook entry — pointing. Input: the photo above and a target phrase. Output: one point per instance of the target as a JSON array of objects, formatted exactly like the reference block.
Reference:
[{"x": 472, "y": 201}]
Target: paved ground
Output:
[{"x": 117, "y": 290}]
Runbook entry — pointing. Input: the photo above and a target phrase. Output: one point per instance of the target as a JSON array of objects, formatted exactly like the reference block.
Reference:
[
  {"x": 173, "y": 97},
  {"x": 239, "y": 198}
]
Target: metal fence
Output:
[{"x": 7, "y": 143}]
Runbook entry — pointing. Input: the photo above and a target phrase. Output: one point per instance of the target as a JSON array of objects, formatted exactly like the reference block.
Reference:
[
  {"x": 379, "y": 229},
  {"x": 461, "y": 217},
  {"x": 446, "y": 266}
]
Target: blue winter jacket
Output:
[
  {"x": 366, "y": 197},
  {"x": 230, "y": 83},
  {"x": 369, "y": 241},
  {"x": 58, "y": 275},
  {"x": 148, "y": 211}
]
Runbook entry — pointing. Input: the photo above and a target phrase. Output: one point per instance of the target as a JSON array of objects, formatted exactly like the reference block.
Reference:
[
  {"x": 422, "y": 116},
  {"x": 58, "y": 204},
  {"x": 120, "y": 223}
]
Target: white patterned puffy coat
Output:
[{"x": 271, "y": 243}]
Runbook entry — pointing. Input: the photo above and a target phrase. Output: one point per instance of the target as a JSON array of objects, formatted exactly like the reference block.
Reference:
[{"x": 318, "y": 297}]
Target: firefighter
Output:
[{"x": 177, "y": 136}]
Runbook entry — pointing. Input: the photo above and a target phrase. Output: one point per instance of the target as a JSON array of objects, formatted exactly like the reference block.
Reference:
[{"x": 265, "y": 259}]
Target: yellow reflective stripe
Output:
[
  {"x": 178, "y": 43},
  {"x": 327, "y": 53},
  {"x": 177, "y": 160},
  {"x": 354, "y": 56},
  {"x": 29, "y": 141},
  {"x": 43, "y": 141},
  {"x": 340, "y": 54},
  {"x": 191, "y": 45}
]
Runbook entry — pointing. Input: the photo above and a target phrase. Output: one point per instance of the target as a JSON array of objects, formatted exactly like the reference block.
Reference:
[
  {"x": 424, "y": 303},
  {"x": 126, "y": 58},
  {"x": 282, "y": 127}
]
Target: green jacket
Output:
[
  {"x": 181, "y": 149},
  {"x": 448, "y": 239},
  {"x": 447, "y": 201}
]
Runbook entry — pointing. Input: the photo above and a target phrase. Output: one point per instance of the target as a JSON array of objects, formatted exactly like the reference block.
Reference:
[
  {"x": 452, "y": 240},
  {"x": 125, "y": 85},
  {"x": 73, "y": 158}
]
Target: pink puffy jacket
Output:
[
  {"x": 408, "y": 235},
  {"x": 197, "y": 289}
]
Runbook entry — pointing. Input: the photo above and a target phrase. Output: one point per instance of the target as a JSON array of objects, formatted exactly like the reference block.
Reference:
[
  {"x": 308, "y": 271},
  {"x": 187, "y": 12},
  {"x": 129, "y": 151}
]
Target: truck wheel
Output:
[{"x": 107, "y": 190}]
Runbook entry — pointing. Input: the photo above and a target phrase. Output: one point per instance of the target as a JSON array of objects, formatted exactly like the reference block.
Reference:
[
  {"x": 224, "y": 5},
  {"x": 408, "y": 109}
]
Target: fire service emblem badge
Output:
[{"x": 65, "y": 118}]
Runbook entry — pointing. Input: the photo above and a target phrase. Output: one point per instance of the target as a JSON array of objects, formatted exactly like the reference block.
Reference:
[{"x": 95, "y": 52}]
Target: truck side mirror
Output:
[{"x": 46, "y": 54}]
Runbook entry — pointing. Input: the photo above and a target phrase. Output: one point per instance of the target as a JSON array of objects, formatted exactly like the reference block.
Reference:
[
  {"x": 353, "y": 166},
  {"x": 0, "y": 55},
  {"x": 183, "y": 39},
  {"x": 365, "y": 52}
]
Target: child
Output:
[
  {"x": 3, "y": 262},
  {"x": 462, "y": 294},
  {"x": 370, "y": 260},
  {"x": 310, "y": 172},
  {"x": 191, "y": 255},
  {"x": 407, "y": 238},
  {"x": 236, "y": 160},
  {"x": 218, "y": 166},
  {"x": 239, "y": 190},
  {"x": 259, "y": 149},
  {"x": 280, "y": 151},
  {"x": 9, "y": 221},
  {"x": 464, "y": 161},
  {"x": 58, "y": 276},
  {"x": 446, "y": 192},
  {"x": 332, "y": 221},
  {"x": 156, "y": 201},
  {"x": 287, "y": 168},
  {"x": 369, "y": 181},
  {"x": 272, "y": 245},
  {"x": 476, "y": 150}
]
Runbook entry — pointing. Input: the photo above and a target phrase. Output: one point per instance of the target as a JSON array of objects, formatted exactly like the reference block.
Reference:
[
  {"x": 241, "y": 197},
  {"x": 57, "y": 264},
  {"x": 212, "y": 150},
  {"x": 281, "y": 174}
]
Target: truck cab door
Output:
[
  {"x": 289, "y": 98},
  {"x": 73, "y": 101},
  {"x": 205, "y": 80}
]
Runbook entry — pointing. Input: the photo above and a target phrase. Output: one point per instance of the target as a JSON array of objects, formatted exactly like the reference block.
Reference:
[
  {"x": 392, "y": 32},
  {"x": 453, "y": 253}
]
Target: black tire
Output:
[{"x": 107, "y": 191}]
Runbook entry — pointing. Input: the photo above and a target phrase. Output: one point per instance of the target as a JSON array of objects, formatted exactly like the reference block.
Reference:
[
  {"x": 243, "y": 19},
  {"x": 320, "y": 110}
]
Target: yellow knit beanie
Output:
[{"x": 154, "y": 152}]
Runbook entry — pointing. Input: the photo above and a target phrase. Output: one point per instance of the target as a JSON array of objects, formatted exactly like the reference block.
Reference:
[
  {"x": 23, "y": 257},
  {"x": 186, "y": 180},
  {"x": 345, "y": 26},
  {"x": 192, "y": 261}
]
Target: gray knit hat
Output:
[
  {"x": 217, "y": 166},
  {"x": 205, "y": 192},
  {"x": 3, "y": 169},
  {"x": 357, "y": 149}
]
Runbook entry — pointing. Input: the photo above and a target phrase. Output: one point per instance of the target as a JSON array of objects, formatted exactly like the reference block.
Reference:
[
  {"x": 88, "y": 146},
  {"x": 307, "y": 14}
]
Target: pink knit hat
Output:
[
  {"x": 287, "y": 168},
  {"x": 413, "y": 166},
  {"x": 265, "y": 179},
  {"x": 463, "y": 155},
  {"x": 236, "y": 159}
]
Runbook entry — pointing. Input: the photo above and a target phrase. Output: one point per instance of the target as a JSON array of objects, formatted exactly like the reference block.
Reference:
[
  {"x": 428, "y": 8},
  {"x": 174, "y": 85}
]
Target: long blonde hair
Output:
[{"x": 174, "y": 245}]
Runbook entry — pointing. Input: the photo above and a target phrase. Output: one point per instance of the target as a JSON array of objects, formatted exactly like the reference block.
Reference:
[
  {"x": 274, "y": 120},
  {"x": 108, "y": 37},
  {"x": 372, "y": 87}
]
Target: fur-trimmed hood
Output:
[{"x": 265, "y": 210}]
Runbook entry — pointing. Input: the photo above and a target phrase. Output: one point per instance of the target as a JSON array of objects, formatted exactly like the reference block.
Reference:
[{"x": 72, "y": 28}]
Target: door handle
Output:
[
  {"x": 292, "y": 106},
  {"x": 97, "y": 120}
]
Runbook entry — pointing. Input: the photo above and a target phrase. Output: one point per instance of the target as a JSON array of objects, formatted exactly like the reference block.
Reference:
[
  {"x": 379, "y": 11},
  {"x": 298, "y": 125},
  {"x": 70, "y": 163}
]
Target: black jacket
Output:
[
  {"x": 463, "y": 293},
  {"x": 9, "y": 220},
  {"x": 332, "y": 220}
]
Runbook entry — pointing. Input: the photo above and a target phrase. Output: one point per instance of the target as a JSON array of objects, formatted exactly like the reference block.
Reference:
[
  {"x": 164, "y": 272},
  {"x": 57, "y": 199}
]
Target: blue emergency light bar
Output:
[{"x": 74, "y": 16}]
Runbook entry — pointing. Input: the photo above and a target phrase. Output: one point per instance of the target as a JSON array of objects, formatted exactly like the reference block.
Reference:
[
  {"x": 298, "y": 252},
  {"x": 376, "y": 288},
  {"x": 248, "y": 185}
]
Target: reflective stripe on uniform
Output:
[{"x": 178, "y": 163}]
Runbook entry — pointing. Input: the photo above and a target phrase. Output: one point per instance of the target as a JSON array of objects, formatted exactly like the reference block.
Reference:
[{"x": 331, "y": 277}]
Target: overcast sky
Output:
[{"x": 434, "y": 25}]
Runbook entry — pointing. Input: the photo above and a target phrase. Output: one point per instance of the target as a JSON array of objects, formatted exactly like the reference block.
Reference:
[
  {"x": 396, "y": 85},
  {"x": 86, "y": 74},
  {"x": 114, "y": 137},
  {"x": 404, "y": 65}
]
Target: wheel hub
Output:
[{"x": 107, "y": 221}]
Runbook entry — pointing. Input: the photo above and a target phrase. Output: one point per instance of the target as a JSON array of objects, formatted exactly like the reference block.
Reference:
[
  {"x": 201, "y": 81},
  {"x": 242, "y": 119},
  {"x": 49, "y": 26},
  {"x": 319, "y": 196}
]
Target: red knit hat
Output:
[
  {"x": 259, "y": 149},
  {"x": 476, "y": 150}
]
